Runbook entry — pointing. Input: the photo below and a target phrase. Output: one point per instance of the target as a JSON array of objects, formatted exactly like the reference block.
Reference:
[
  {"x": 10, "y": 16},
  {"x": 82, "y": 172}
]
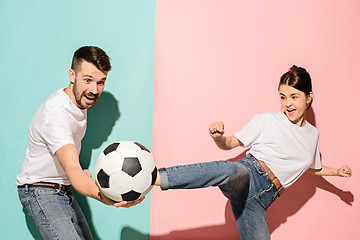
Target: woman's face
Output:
[{"x": 295, "y": 103}]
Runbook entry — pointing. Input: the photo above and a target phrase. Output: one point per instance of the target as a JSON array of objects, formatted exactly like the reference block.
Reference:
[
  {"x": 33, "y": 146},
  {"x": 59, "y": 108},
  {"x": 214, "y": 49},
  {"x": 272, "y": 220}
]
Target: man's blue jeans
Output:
[
  {"x": 55, "y": 212},
  {"x": 244, "y": 183}
]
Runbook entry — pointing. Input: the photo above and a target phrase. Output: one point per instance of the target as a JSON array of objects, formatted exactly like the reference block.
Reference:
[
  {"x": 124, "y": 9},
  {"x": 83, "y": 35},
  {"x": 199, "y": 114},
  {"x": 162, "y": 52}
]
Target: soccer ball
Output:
[{"x": 125, "y": 171}]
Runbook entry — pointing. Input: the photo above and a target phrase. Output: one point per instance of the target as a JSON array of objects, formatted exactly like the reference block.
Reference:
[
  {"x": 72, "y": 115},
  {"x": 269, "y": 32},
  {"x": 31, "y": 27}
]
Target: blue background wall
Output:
[{"x": 37, "y": 42}]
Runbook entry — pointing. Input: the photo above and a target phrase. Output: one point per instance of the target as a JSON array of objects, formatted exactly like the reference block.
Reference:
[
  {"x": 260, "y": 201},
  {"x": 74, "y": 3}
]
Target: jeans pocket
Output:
[
  {"x": 266, "y": 197},
  {"x": 258, "y": 167},
  {"x": 41, "y": 192},
  {"x": 24, "y": 195}
]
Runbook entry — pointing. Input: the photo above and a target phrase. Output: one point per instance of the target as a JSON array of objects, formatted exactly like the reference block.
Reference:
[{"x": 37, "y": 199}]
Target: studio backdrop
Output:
[{"x": 179, "y": 65}]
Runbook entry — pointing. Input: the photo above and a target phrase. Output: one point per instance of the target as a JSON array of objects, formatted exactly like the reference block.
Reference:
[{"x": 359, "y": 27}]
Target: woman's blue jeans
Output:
[
  {"x": 244, "y": 183},
  {"x": 55, "y": 212}
]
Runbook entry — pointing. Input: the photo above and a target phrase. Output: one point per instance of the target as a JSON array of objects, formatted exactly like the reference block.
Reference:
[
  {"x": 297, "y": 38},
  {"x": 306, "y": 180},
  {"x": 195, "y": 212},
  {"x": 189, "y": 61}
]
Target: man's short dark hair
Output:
[{"x": 91, "y": 54}]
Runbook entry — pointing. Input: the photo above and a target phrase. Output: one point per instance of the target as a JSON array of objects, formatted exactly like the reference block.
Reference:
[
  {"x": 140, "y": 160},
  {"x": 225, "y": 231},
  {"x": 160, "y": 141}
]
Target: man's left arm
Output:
[{"x": 81, "y": 180}]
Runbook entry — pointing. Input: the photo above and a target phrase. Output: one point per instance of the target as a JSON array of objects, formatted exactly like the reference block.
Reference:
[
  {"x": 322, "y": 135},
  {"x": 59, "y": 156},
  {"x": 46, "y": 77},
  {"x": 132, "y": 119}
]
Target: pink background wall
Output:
[{"x": 221, "y": 60}]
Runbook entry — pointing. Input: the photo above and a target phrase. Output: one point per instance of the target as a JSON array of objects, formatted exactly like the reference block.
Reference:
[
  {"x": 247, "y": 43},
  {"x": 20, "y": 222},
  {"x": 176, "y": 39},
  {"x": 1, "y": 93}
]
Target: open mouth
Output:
[
  {"x": 90, "y": 98},
  {"x": 290, "y": 111}
]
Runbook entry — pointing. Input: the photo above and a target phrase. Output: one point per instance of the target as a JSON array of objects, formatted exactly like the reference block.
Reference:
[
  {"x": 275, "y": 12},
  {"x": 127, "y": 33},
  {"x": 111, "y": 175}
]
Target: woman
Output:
[{"x": 283, "y": 147}]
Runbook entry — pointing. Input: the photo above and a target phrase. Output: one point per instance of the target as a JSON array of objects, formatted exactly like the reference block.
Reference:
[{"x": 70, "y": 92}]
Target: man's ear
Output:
[{"x": 72, "y": 76}]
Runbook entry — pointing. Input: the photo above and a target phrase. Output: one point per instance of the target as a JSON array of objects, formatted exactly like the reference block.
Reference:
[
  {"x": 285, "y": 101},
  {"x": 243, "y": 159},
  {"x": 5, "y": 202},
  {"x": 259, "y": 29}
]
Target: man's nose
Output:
[{"x": 94, "y": 88}]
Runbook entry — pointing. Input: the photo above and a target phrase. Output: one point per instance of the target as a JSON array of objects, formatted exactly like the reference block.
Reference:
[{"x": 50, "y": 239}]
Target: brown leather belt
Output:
[
  {"x": 52, "y": 185},
  {"x": 272, "y": 177}
]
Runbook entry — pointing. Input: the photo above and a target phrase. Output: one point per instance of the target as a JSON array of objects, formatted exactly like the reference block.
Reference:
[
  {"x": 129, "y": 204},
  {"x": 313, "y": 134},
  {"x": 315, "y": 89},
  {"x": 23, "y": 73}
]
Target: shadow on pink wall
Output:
[
  {"x": 300, "y": 192},
  {"x": 285, "y": 206}
]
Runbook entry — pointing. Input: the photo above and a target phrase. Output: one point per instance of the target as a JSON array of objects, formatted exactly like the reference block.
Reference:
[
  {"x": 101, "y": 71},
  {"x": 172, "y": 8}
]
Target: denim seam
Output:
[
  {"x": 261, "y": 173},
  {"x": 164, "y": 179},
  {"x": 256, "y": 195},
  {"x": 247, "y": 225},
  {"x": 43, "y": 214}
]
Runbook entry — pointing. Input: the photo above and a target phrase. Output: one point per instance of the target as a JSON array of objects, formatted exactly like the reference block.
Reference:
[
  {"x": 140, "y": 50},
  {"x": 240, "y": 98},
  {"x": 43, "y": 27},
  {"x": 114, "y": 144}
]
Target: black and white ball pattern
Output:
[{"x": 125, "y": 171}]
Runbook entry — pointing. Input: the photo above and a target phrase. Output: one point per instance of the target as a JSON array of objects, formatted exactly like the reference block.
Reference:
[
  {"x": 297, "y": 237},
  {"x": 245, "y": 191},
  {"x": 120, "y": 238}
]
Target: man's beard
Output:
[{"x": 87, "y": 95}]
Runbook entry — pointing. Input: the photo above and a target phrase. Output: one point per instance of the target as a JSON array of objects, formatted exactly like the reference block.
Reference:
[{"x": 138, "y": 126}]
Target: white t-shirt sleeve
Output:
[
  {"x": 250, "y": 132},
  {"x": 317, "y": 161},
  {"x": 57, "y": 136}
]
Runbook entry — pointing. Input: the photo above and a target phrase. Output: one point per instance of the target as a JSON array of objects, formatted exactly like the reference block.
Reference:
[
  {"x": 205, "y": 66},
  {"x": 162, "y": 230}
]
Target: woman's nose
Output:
[{"x": 288, "y": 103}]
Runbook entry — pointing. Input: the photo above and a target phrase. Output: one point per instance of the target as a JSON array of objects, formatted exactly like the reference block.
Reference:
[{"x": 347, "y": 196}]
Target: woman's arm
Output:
[
  {"x": 216, "y": 131},
  {"x": 344, "y": 171}
]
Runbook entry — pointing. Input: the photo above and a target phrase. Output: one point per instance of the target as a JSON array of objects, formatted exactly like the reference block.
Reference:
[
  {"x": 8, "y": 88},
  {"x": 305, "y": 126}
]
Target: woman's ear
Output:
[{"x": 310, "y": 97}]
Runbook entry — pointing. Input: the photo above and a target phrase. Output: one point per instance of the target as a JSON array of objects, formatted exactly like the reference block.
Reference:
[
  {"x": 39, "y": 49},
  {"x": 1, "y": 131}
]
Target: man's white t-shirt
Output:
[
  {"x": 287, "y": 149},
  {"x": 56, "y": 123}
]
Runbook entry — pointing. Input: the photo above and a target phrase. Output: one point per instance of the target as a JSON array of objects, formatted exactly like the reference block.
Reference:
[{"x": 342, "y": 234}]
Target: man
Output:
[{"x": 51, "y": 166}]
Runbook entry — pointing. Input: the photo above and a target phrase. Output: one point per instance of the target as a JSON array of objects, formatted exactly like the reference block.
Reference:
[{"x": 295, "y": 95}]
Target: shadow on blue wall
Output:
[{"x": 101, "y": 120}]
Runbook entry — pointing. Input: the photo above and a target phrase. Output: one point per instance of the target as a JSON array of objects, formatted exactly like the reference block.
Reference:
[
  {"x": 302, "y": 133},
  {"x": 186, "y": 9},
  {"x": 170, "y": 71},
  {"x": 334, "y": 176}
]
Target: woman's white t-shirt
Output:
[{"x": 287, "y": 149}]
